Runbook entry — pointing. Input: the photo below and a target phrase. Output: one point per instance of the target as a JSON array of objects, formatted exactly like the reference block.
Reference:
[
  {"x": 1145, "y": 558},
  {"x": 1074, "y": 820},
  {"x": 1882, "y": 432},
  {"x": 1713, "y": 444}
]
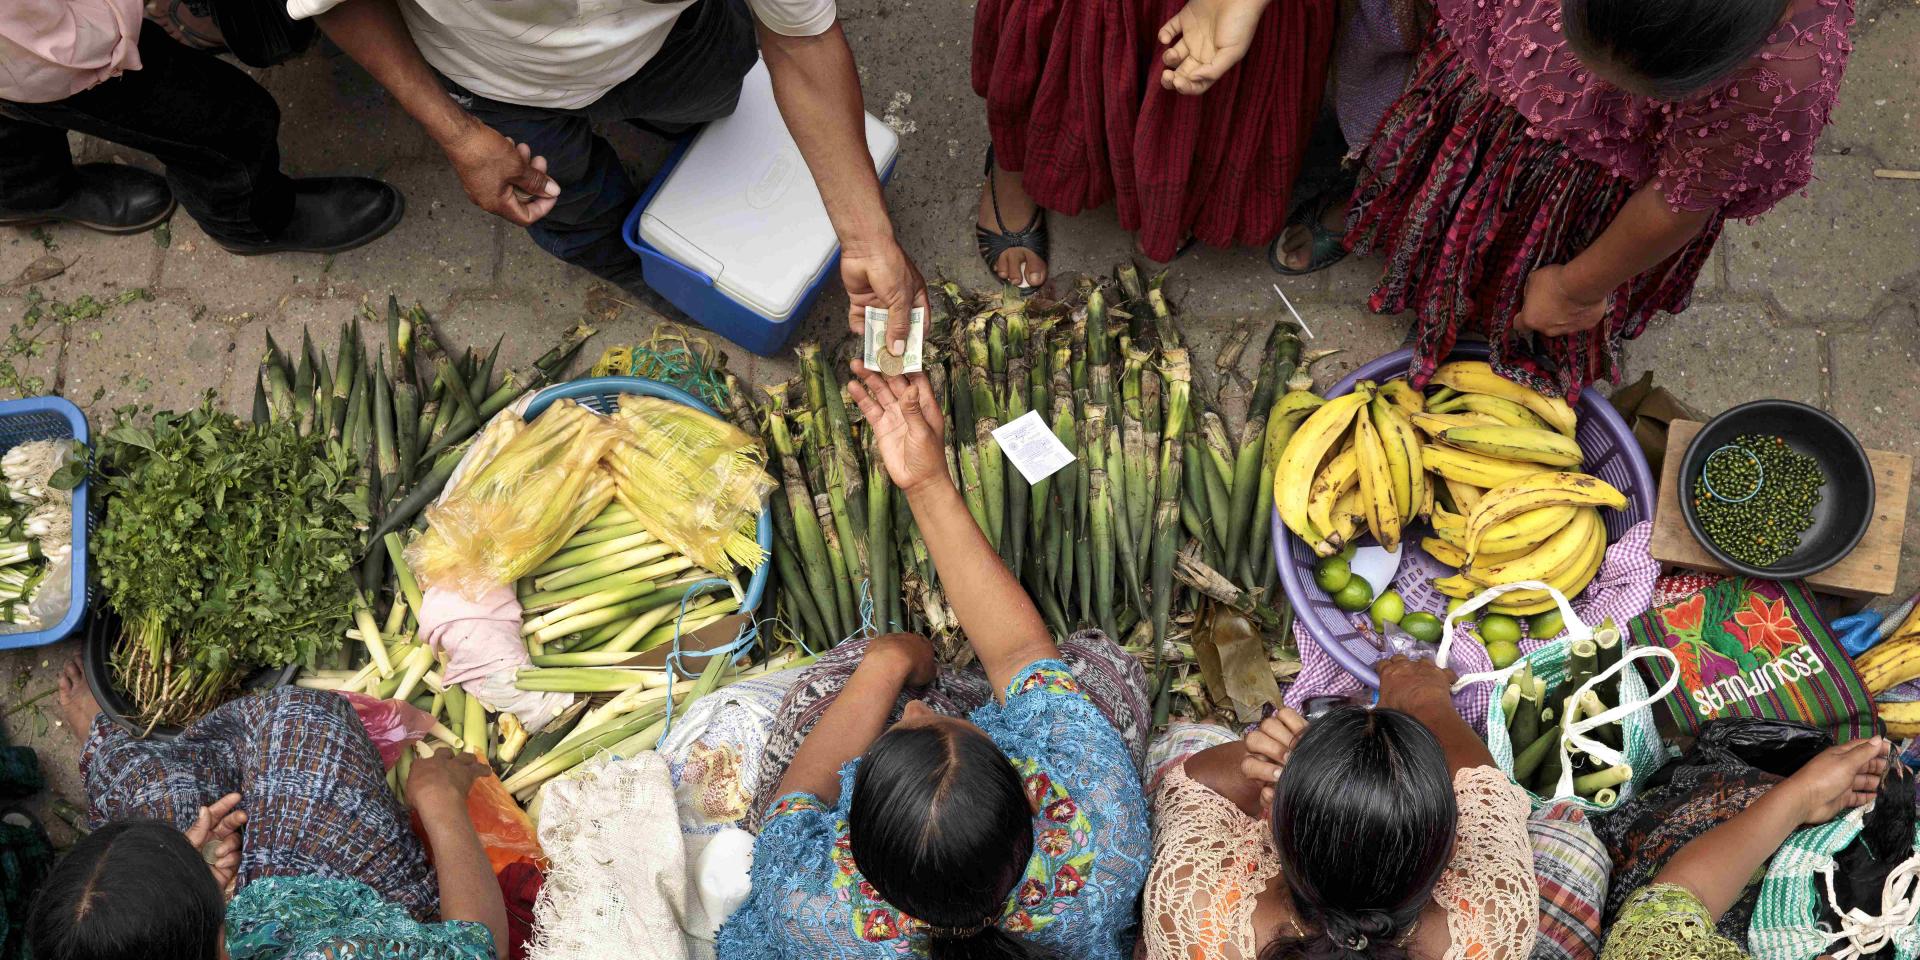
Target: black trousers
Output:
[
  {"x": 695, "y": 78},
  {"x": 214, "y": 128}
]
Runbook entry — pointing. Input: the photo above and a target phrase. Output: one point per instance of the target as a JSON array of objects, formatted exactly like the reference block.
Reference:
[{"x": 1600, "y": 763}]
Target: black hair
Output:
[
  {"x": 1670, "y": 48},
  {"x": 939, "y": 823},
  {"x": 1363, "y": 821},
  {"x": 131, "y": 890}
]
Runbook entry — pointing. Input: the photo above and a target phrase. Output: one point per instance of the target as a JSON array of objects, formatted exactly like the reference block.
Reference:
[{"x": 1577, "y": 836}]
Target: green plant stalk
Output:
[
  {"x": 1588, "y": 784},
  {"x": 385, "y": 442},
  {"x": 794, "y": 588},
  {"x": 843, "y": 594},
  {"x": 590, "y": 535},
  {"x": 539, "y": 601},
  {"x": 806, "y": 525},
  {"x": 370, "y": 633},
  {"x": 1246, "y": 482},
  {"x": 422, "y": 493},
  {"x": 610, "y": 597},
  {"x": 882, "y": 551},
  {"x": 971, "y": 489},
  {"x": 993, "y": 480},
  {"x": 406, "y": 433},
  {"x": 526, "y": 781},
  {"x": 480, "y": 384},
  {"x": 1102, "y": 551},
  {"x": 579, "y": 680},
  {"x": 660, "y": 558},
  {"x": 641, "y": 547},
  {"x": 346, "y": 362},
  {"x": 696, "y": 619}
]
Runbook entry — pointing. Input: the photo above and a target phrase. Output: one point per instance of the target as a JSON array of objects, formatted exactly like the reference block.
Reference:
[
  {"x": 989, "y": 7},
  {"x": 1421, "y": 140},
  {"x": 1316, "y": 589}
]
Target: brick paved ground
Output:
[{"x": 1819, "y": 301}]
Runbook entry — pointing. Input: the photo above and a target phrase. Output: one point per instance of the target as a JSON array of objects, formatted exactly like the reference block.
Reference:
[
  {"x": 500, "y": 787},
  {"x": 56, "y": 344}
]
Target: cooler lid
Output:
[{"x": 742, "y": 208}]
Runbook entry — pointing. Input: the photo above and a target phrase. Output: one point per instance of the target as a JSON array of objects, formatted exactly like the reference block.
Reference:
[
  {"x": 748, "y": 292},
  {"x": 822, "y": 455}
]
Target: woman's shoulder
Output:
[{"x": 294, "y": 917}]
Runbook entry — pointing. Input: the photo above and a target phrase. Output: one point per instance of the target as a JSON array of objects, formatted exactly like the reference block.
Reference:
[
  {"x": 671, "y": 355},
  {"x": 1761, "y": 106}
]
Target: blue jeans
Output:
[{"x": 694, "y": 78}]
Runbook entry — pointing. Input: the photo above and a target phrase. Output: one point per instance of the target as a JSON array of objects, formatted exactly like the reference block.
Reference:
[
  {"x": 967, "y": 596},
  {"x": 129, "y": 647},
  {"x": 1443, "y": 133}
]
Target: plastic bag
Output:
[
  {"x": 393, "y": 725},
  {"x": 1778, "y": 747},
  {"x": 523, "y": 490},
  {"x": 505, "y": 830},
  {"x": 696, "y": 482}
]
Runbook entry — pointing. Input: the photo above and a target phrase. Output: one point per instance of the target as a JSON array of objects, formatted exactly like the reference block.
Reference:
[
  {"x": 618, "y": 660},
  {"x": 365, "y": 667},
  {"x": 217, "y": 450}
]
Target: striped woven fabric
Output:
[
  {"x": 1793, "y": 900},
  {"x": 1570, "y": 864}
]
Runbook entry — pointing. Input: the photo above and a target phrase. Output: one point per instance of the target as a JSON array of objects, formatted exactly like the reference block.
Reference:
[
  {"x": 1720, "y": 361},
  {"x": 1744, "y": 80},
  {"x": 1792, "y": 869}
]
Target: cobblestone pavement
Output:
[{"x": 1819, "y": 301}]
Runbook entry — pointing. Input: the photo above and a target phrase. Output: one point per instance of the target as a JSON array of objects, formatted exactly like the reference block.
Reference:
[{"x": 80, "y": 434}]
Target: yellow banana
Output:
[
  {"x": 1427, "y": 482},
  {"x": 1476, "y": 376},
  {"x": 1466, "y": 496},
  {"x": 1910, "y": 626},
  {"x": 1402, "y": 446},
  {"x": 1550, "y": 559},
  {"x": 1293, "y": 479},
  {"x": 1341, "y": 475},
  {"x": 1526, "y": 603},
  {"x": 1516, "y": 536},
  {"x": 1348, "y": 514},
  {"x": 1902, "y": 719},
  {"x": 1456, "y": 558},
  {"x": 1402, "y": 394},
  {"x": 1432, "y": 424},
  {"x": 1376, "y": 484},
  {"x": 1517, "y": 443},
  {"x": 1889, "y": 665},
  {"x": 1500, "y": 409},
  {"x": 1468, "y": 467},
  {"x": 1510, "y": 500}
]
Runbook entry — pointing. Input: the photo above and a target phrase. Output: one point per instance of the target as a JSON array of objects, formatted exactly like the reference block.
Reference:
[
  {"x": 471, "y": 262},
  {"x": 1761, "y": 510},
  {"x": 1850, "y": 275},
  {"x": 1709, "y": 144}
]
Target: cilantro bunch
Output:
[{"x": 227, "y": 546}]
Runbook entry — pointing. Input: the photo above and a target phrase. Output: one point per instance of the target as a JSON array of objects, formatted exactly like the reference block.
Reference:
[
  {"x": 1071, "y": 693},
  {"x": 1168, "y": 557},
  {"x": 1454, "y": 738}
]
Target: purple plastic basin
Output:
[{"x": 1611, "y": 454}]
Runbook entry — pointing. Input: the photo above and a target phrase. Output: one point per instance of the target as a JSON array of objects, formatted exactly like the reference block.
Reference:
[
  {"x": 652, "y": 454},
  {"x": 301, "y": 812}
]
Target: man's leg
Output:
[
  {"x": 217, "y": 132},
  {"x": 583, "y": 228},
  {"x": 40, "y": 184},
  {"x": 35, "y": 168},
  {"x": 695, "y": 77}
]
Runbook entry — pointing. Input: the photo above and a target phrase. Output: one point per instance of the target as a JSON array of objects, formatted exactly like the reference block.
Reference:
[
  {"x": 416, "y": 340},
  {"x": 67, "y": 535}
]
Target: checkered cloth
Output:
[
  {"x": 309, "y": 779},
  {"x": 1571, "y": 866},
  {"x": 1622, "y": 590}
]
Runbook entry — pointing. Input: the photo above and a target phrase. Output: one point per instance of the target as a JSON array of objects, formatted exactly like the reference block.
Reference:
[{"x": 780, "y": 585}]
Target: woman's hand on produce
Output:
[
  {"x": 443, "y": 777},
  {"x": 1838, "y": 779},
  {"x": 216, "y": 834},
  {"x": 1551, "y": 308},
  {"x": 1269, "y": 744},
  {"x": 908, "y": 428},
  {"x": 910, "y": 651},
  {"x": 1410, "y": 685},
  {"x": 1205, "y": 40},
  {"x": 881, "y": 275}
]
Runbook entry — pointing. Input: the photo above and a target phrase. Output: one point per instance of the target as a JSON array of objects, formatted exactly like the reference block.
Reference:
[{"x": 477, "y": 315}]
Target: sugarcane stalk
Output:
[
  {"x": 843, "y": 590},
  {"x": 1102, "y": 551}
]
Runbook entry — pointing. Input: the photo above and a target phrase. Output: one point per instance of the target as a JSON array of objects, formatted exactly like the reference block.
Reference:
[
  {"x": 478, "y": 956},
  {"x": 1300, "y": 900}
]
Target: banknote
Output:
[{"x": 879, "y": 355}]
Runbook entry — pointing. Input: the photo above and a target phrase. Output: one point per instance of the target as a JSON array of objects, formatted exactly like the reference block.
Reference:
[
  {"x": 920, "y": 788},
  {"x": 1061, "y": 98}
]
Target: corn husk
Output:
[{"x": 697, "y": 483}]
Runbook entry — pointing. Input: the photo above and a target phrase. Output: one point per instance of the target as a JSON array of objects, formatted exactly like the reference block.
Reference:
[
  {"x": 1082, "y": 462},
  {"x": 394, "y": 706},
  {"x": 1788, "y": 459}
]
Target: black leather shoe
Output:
[
  {"x": 109, "y": 197},
  {"x": 332, "y": 214}
]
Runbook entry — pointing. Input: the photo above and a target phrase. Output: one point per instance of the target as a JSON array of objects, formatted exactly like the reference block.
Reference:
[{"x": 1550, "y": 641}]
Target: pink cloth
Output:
[
  {"x": 1622, "y": 590},
  {"x": 392, "y": 725},
  {"x": 1741, "y": 146},
  {"x": 484, "y": 651},
  {"x": 53, "y": 49}
]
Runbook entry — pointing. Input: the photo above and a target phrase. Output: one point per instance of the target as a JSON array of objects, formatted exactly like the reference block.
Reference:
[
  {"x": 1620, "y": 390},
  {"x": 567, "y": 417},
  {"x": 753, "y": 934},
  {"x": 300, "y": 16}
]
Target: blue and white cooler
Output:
[{"x": 732, "y": 229}]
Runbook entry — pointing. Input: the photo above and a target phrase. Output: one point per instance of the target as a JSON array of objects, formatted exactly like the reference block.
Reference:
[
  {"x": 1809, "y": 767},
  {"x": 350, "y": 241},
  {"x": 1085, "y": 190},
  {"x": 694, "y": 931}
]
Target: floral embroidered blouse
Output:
[
  {"x": 323, "y": 918},
  {"x": 1741, "y": 146},
  {"x": 1081, "y": 886}
]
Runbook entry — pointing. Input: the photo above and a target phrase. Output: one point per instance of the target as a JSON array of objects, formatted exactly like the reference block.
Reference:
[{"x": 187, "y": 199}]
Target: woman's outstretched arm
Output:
[{"x": 859, "y": 714}]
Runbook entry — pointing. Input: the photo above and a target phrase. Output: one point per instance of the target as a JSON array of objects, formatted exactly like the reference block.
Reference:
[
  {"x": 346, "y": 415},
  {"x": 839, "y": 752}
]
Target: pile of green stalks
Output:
[{"x": 1161, "y": 520}]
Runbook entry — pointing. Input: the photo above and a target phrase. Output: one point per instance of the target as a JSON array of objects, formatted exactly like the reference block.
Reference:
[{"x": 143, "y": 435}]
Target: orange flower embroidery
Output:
[
  {"x": 1764, "y": 626},
  {"x": 1685, "y": 616}
]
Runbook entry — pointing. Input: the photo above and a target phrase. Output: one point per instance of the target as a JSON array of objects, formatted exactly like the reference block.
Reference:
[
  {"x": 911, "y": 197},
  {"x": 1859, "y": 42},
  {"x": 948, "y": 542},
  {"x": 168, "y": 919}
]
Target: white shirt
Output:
[{"x": 558, "y": 53}]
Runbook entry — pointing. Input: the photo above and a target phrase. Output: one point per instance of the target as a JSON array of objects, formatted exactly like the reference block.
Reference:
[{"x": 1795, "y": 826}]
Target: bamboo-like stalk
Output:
[
  {"x": 806, "y": 524},
  {"x": 843, "y": 591},
  {"x": 1166, "y": 527}
]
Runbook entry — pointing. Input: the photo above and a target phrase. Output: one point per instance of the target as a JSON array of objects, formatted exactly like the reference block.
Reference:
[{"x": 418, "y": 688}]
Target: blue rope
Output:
[{"x": 732, "y": 649}]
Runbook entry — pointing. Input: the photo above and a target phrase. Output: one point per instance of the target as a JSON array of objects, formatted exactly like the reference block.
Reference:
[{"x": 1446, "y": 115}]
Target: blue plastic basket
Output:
[
  {"x": 601, "y": 394},
  {"x": 52, "y": 418}
]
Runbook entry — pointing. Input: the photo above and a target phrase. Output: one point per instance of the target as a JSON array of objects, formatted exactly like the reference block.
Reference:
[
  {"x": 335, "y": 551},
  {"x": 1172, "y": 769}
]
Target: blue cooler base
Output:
[{"x": 694, "y": 292}]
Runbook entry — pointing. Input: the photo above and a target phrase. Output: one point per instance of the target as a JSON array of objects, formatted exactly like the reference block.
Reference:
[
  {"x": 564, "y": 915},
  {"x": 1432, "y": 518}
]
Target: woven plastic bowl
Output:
[{"x": 1611, "y": 454}]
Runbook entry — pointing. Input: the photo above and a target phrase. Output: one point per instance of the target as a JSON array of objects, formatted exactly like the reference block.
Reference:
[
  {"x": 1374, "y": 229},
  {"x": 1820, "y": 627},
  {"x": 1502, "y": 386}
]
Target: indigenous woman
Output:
[
  {"x": 1015, "y": 828},
  {"x": 1673, "y": 918},
  {"x": 326, "y": 867},
  {"x": 1191, "y": 116},
  {"x": 1557, "y": 171},
  {"x": 1383, "y": 833}
]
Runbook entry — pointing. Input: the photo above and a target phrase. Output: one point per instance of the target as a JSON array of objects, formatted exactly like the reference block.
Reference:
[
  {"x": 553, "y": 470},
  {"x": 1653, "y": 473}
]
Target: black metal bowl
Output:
[
  {"x": 96, "y": 651},
  {"x": 1846, "y": 502}
]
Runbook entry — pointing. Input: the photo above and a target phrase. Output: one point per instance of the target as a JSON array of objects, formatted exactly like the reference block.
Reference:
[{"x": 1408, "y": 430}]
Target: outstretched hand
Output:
[
  {"x": 216, "y": 834},
  {"x": 1205, "y": 40},
  {"x": 908, "y": 428},
  {"x": 1838, "y": 779}
]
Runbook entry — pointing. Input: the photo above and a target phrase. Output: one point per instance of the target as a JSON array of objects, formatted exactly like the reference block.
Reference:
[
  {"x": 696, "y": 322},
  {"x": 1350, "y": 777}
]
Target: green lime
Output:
[
  {"x": 1387, "y": 608},
  {"x": 1332, "y": 574},
  {"x": 1502, "y": 652},
  {"x": 1355, "y": 596},
  {"x": 1346, "y": 552},
  {"x": 1424, "y": 627},
  {"x": 1546, "y": 626},
  {"x": 1499, "y": 628},
  {"x": 1454, "y": 603}
]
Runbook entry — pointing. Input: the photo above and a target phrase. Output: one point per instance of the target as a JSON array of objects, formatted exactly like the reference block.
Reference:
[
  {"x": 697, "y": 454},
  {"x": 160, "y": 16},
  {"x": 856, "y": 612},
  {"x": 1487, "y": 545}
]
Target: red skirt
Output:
[
  {"x": 1464, "y": 204},
  {"x": 1074, "y": 104}
]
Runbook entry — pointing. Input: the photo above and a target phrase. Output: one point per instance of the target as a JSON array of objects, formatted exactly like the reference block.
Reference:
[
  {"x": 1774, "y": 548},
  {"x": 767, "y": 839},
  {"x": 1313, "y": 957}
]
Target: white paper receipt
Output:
[{"x": 1032, "y": 447}]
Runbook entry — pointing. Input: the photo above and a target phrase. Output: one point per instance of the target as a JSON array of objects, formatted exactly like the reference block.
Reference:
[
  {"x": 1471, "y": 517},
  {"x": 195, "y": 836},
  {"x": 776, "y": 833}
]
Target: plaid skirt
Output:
[
  {"x": 311, "y": 783},
  {"x": 1074, "y": 104},
  {"x": 1114, "y": 681},
  {"x": 1464, "y": 204}
]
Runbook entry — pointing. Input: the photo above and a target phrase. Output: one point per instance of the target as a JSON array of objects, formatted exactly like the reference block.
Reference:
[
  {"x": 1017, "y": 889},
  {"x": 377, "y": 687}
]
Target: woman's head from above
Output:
[
  {"x": 133, "y": 890},
  {"x": 1363, "y": 821},
  {"x": 940, "y": 825},
  {"x": 1668, "y": 49}
]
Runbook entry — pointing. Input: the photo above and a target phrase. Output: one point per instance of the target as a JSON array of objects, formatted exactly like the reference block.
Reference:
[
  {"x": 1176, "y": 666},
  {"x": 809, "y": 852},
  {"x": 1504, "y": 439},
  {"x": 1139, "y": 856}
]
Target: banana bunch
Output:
[
  {"x": 1890, "y": 663},
  {"x": 1544, "y": 527},
  {"x": 1355, "y": 462}
]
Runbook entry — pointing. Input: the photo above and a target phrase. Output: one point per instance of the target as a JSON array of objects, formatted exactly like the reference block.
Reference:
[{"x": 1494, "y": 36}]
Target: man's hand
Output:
[
  {"x": 1551, "y": 309},
  {"x": 907, "y": 426},
  {"x": 1204, "y": 40},
  {"x": 880, "y": 275},
  {"x": 502, "y": 177},
  {"x": 216, "y": 834}
]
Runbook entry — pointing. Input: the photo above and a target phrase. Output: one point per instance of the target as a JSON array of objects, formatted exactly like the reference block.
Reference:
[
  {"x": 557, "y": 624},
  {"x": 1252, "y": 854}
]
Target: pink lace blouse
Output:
[{"x": 1741, "y": 146}]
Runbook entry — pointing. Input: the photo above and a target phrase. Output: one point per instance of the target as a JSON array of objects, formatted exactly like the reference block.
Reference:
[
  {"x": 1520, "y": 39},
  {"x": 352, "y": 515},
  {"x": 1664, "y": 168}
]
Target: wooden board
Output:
[{"x": 1869, "y": 571}]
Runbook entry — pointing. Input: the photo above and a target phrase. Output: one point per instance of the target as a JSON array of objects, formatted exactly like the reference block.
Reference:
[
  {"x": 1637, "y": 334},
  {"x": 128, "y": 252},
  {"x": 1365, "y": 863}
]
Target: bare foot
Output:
[
  {"x": 1021, "y": 266},
  {"x": 77, "y": 705},
  {"x": 1296, "y": 244}
]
